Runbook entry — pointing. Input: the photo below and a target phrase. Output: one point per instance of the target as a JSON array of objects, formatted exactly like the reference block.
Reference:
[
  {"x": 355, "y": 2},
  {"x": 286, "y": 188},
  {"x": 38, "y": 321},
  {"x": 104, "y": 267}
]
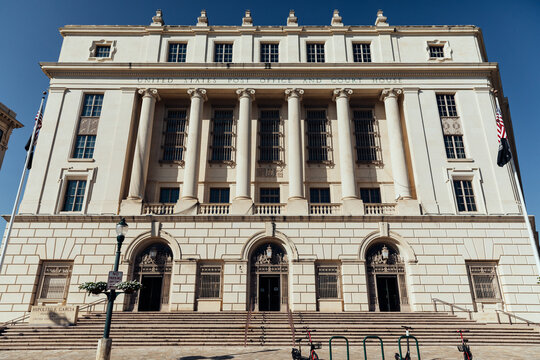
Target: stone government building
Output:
[{"x": 316, "y": 168}]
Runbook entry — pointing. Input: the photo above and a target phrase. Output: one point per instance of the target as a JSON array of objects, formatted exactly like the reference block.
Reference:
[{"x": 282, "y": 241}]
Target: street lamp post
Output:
[{"x": 105, "y": 343}]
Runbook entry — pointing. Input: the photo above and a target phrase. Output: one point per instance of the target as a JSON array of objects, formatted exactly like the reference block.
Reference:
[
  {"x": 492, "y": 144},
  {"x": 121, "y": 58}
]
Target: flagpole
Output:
[
  {"x": 12, "y": 218},
  {"x": 524, "y": 210}
]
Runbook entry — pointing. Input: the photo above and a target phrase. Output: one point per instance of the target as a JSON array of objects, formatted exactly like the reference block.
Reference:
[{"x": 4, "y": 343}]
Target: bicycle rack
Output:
[
  {"x": 373, "y": 337},
  {"x": 338, "y": 337},
  {"x": 408, "y": 337}
]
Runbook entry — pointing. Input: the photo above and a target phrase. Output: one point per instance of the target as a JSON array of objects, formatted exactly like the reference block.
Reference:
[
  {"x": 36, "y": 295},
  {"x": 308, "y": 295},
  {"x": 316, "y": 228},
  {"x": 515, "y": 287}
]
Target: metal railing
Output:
[
  {"x": 452, "y": 307},
  {"x": 158, "y": 209},
  {"x": 379, "y": 209},
  {"x": 248, "y": 321},
  {"x": 511, "y": 315},
  {"x": 214, "y": 209},
  {"x": 325, "y": 209},
  {"x": 268, "y": 209}
]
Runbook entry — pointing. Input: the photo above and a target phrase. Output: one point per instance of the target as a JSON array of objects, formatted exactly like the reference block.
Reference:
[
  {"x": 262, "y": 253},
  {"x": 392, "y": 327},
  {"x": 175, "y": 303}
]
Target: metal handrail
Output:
[
  {"x": 26, "y": 314},
  {"x": 248, "y": 320},
  {"x": 452, "y": 306},
  {"x": 511, "y": 315}
]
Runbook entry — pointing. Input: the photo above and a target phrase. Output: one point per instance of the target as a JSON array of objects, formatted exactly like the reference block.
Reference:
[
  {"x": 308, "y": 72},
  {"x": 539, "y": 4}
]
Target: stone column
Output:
[
  {"x": 352, "y": 205},
  {"x": 141, "y": 157},
  {"x": 297, "y": 203},
  {"x": 187, "y": 204},
  {"x": 242, "y": 203},
  {"x": 397, "y": 150}
]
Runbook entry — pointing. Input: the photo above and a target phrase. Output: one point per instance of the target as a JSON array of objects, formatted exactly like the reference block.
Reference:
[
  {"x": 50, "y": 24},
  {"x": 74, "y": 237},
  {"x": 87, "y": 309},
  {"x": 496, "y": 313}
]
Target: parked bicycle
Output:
[
  {"x": 464, "y": 348},
  {"x": 297, "y": 353}
]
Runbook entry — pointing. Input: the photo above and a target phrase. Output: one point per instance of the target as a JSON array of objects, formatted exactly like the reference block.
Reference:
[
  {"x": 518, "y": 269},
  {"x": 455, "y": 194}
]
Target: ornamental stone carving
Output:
[
  {"x": 342, "y": 93},
  {"x": 149, "y": 93},
  {"x": 200, "y": 93},
  {"x": 246, "y": 93},
  {"x": 295, "y": 93},
  {"x": 390, "y": 93}
]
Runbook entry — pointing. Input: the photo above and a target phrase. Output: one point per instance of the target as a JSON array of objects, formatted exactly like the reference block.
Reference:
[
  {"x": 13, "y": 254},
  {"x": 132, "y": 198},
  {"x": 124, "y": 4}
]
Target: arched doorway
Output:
[
  {"x": 385, "y": 271},
  {"x": 269, "y": 270},
  {"x": 152, "y": 267}
]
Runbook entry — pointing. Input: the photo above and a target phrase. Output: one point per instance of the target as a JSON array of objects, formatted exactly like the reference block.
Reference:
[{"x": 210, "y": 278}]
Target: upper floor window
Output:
[
  {"x": 174, "y": 135},
  {"x": 177, "y": 53},
  {"x": 436, "y": 51},
  {"x": 223, "y": 53},
  {"x": 367, "y": 136},
  {"x": 222, "y": 135},
  {"x": 318, "y": 133},
  {"x": 319, "y": 195},
  {"x": 484, "y": 282},
  {"x": 446, "y": 103},
  {"x": 88, "y": 124},
  {"x": 269, "y": 196},
  {"x": 103, "y": 51},
  {"x": 219, "y": 195},
  {"x": 270, "y": 136},
  {"x": 362, "y": 52},
  {"x": 54, "y": 281},
  {"x": 451, "y": 125},
  {"x": 74, "y": 196},
  {"x": 1, "y": 135},
  {"x": 464, "y": 195},
  {"x": 169, "y": 195},
  {"x": 315, "y": 52},
  {"x": 269, "y": 53},
  {"x": 370, "y": 195},
  {"x": 453, "y": 145}
]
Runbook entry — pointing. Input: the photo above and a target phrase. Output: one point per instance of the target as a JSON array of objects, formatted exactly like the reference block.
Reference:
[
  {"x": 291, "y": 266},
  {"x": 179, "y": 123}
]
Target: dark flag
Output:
[
  {"x": 504, "y": 155},
  {"x": 38, "y": 119}
]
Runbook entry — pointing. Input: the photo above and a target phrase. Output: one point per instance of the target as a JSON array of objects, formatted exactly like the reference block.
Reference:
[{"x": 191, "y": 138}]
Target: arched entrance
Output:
[
  {"x": 152, "y": 267},
  {"x": 385, "y": 271},
  {"x": 269, "y": 270}
]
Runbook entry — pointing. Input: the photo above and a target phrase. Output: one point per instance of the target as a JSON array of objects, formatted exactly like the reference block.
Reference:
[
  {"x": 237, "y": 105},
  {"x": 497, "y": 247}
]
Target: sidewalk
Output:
[{"x": 274, "y": 353}]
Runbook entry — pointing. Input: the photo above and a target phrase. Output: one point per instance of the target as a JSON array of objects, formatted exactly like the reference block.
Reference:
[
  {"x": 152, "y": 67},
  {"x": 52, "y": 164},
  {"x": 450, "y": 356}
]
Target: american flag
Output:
[
  {"x": 504, "y": 155},
  {"x": 38, "y": 119},
  {"x": 501, "y": 132}
]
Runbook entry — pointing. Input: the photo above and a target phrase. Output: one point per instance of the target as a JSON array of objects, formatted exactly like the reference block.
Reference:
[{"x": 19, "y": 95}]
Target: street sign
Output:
[{"x": 114, "y": 278}]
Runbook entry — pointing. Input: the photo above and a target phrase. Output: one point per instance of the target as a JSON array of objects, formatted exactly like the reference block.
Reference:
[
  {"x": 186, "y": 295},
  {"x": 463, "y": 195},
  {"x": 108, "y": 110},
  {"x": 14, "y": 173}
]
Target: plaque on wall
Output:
[{"x": 62, "y": 315}]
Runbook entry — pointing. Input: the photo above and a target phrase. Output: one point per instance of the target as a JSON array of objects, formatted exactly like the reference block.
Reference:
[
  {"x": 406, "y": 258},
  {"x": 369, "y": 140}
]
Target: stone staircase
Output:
[{"x": 266, "y": 329}]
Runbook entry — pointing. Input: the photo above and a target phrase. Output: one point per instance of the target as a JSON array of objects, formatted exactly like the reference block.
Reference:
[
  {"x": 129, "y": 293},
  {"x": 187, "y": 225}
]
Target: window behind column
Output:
[
  {"x": 222, "y": 135},
  {"x": 315, "y": 52},
  {"x": 168, "y": 195},
  {"x": 223, "y": 52},
  {"x": 74, "y": 195},
  {"x": 219, "y": 195},
  {"x": 318, "y": 133},
  {"x": 463, "y": 191},
  {"x": 319, "y": 195},
  {"x": 451, "y": 125},
  {"x": 269, "y": 53},
  {"x": 177, "y": 52},
  {"x": 484, "y": 281},
  {"x": 366, "y": 133},
  {"x": 361, "y": 52},
  {"x": 174, "y": 135},
  {"x": 370, "y": 195},
  {"x": 54, "y": 282},
  {"x": 209, "y": 284},
  {"x": 328, "y": 281},
  {"x": 270, "y": 135},
  {"x": 269, "y": 196},
  {"x": 88, "y": 124}
]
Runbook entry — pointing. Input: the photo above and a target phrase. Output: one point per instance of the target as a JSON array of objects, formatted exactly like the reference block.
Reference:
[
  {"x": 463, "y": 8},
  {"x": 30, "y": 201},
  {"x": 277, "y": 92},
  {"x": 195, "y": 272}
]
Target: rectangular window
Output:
[
  {"x": 362, "y": 52},
  {"x": 269, "y": 53},
  {"x": 177, "y": 53},
  {"x": 1, "y": 135},
  {"x": 464, "y": 195},
  {"x": 436, "y": 51},
  {"x": 222, "y": 135},
  {"x": 446, "y": 104},
  {"x": 367, "y": 136},
  {"x": 328, "y": 282},
  {"x": 169, "y": 195},
  {"x": 269, "y": 136},
  {"x": 319, "y": 195},
  {"x": 269, "y": 196},
  {"x": 315, "y": 53},
  {"x": 88, "y": 124},
  {"x": 454, "y": 146},
  {"x": 370, "y": 195},
  {"x": 54, "y": 281},
  {"x": 174, "y": 135},
  {"x": 74, "y": 196},
  {"x": 209, "y": 281},
  {"x": 317, "y": 132},
  {"x": 219, "y": 195},
  {"x": 484, "y": 282},
  {"x": 223, "y": 53},
  {"x": 103, "y": 51}
]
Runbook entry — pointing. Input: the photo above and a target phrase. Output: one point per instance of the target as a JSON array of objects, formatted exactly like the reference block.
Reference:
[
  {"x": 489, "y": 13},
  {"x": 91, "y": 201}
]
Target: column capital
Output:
[
  {"x": 246, "y": 93},
  {"x": 390, "y": 93},
  {"x": 149, "y": 93},
  {"x": 339, "y": 93},
  {"x": 294, "y": 93},
  {"x": 197, "y": 93}
]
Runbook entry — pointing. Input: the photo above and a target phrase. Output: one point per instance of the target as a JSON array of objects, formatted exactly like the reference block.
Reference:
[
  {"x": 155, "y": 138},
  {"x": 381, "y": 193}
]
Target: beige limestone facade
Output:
[
  {"x": 8, "y": 122},
  {"x": 311, "y": 168}
]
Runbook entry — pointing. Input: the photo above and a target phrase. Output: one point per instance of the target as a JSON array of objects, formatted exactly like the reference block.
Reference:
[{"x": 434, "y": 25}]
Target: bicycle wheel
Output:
[{"x": 314, "y": 356}]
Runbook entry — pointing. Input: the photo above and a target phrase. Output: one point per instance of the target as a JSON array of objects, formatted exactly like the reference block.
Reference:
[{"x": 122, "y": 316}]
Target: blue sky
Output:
[{"x": 29, "y": 34}]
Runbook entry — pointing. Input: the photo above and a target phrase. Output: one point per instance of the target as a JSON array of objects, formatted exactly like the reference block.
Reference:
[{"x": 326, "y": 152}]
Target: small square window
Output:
[
  {"x": 219, "y": 195},
  {"x": 362, "y": 52},
  {"x": 169, "y": 195},
  {"x": 269, "y": 196},
  {"x": 464, "y": 195},
  {"x": 74, "y": 196},
  {"x": 223, "y": 53},
  {"x": 103, "y": 51},
  {"x": 315, "y": 53},
  {"x": 436, "y": 51},
  {"x": 319, "y": 195},
  {"x": 269, "y": 53},
  {"x": 370, "y": 195},
  {"x": 177, "y": 53}
]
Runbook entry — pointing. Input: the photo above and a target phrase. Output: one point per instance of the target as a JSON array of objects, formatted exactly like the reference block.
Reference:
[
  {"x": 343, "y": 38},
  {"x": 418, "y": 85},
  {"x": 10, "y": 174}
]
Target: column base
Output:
[
  {"x": 242, "y": 206},
  {"x": 104, "y": 349},
  {"x": 352, "y": 206},
  {"x": 187, "y": 206},
  {"x": 131, "y": 207},
  {"x": 297, "y": 206},
  {"x": 407, "y": 207}
]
